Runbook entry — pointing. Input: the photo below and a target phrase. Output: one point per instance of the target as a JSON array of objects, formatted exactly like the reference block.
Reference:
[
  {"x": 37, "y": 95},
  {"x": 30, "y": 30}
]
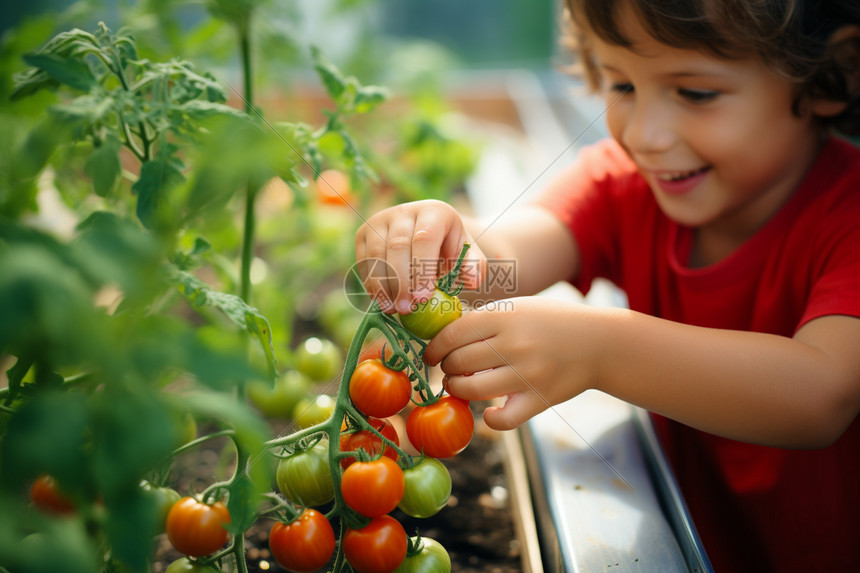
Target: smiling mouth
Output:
[{"x": 680, "y": 175}]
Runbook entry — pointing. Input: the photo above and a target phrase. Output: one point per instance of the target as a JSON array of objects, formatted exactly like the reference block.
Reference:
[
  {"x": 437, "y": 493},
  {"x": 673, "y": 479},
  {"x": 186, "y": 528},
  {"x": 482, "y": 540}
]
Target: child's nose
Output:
[{"x": 648, "y": 129}]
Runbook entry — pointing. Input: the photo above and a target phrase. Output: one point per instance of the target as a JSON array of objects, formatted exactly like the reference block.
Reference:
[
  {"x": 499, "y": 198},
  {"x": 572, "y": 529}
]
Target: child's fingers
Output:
[
  {"x": 484, "y": 385},
  {"x": 432, "y": 227},
  {"x": 371, "y": 250},
  {"x": 399, "y": 256},
  {"x": 519, "y": 408}
]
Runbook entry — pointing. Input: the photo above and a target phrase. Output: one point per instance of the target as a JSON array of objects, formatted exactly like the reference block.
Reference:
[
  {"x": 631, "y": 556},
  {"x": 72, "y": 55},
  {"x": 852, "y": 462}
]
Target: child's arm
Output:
[{"x": 790, "y": 392}]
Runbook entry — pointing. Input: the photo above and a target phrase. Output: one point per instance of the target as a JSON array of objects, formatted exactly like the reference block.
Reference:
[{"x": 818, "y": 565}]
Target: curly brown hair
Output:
[{"x": 813, "y": 43}]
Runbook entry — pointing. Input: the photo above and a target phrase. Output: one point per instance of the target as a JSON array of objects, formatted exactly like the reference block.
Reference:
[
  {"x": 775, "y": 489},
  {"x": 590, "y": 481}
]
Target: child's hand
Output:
[
  {"x": 412, "y": 238},
  {"x": 537, "y": 352}
]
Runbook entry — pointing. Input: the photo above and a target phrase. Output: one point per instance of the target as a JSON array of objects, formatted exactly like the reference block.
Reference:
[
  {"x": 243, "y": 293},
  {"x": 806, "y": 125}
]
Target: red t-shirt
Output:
[{"x": 756, "y": 508}]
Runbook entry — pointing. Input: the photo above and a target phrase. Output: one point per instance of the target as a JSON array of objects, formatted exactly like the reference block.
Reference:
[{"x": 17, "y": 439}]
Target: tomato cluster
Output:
[{"x": 369, "y": 476}]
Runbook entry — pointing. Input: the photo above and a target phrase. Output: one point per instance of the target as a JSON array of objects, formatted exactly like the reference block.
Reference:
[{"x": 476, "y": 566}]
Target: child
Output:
[{"x": 729, "y": 212}]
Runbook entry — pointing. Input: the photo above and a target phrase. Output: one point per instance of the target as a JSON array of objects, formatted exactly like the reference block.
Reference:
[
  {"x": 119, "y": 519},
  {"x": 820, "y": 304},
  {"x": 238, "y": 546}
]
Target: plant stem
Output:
[{"x": 251, "y": 194}]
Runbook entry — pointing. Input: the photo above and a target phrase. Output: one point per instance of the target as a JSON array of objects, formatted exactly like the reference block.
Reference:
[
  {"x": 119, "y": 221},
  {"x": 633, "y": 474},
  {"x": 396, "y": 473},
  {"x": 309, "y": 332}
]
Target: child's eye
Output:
[
  {"x": 697, "y": 96},
  {"x": 622, "y": 88}
]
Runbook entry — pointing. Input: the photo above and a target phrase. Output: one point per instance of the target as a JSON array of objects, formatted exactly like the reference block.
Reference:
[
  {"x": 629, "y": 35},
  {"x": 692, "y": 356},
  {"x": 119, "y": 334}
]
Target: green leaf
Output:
[
  {"x": 45, "y": 303},
  {"x": 243, "y": 315},
  {"x": 132, "y": 521},
  {"x": 200, "y": 109},
  {"x": 369, "y": 97},
  {"x": 47, "y": 435},
  {"x": 331, "y": 76},
  {"x": 86, "y": 108},
  {"x": 104, "y": 167},
  {"x": 157, "y": 178},
  {"x": 259, "y": 328},
  {"x": 37, "y": 149},
  {"x": 73, "y": 73},
  {"x": 136, "y": 432}
]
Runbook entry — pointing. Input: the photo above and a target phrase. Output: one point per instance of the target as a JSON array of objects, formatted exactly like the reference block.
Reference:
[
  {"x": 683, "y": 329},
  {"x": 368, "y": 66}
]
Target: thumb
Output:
[{"x": 517, "y": 410}]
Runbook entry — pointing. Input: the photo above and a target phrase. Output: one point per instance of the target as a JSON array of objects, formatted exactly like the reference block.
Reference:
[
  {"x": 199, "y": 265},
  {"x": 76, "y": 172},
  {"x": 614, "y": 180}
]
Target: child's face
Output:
[{"x": 715, "y": 139}]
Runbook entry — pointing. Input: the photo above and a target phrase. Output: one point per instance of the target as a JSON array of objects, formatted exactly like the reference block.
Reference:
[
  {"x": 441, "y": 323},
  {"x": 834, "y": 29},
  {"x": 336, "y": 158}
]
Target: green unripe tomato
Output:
[
  {"x": 280, "y": 400},
  {"x": 433, "y": 558},
  {"x": 311, "y": 411},
  {"x": 185, "y": 565},
  {"x": 427, "y": 488},
  {"x": 429, "y": 317},
  {"x": 163, "y": 499},
  {"x": 319, "y": 359},
  {"x": 305, "y": 477}
]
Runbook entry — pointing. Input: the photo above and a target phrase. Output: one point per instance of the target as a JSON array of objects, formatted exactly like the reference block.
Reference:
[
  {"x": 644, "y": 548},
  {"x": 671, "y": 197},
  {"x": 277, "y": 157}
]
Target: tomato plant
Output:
[
  {"x": 374, "y": 487},
  {"x": 303, "y": 545},
  {"x": 369, "y": 442},
  {"x": 427, "y": 318},
  {"x": 197, "y": 529},
  {"x": 430, "y": 557},
  {"x": 304, "y": 477},
  {"x": 427, "y": 487},
  {"x": 377, "y": 390},
  {"x": 442, "y": 429},
  {"x": 379, "y": 547}
]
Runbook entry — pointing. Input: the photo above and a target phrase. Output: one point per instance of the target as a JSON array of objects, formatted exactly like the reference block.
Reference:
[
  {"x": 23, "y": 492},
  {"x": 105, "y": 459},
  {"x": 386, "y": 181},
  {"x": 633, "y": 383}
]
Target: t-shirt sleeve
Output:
[
  {"x": 583, "y": 198},
  {"x": 835, "y": 285}
]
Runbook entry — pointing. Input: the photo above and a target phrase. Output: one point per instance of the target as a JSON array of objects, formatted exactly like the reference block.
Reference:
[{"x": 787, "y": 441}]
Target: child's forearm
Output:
[{"x": 760, "y": 388}]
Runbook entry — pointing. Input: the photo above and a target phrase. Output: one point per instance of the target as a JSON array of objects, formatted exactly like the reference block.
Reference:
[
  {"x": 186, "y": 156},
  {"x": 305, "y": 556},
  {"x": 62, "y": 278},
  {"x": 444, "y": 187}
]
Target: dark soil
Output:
[{"x": 476, "y": 527}]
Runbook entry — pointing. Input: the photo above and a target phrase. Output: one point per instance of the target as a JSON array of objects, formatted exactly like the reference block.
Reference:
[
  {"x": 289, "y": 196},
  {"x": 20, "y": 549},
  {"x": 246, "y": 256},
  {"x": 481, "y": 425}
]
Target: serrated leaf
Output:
[
  {"x": 73, "y": 73},
  {"x": 104, "y": 167}
]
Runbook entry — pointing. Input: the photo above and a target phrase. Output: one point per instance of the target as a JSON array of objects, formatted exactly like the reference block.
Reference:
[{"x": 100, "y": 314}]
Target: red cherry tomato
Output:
[
  {"x": 442, "y": 429},
  {"x": 380, "y": 547},
  {"x": 373, "y": 488},
  {"x": 197, "y": 529},
  {"x": 369, "y": 442},
  {"x": 46, "y": 497},
  {"x": 303, "y": 545},
  {"x": 333, "y": 188},
  {"x": 377, "y": 390}
]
